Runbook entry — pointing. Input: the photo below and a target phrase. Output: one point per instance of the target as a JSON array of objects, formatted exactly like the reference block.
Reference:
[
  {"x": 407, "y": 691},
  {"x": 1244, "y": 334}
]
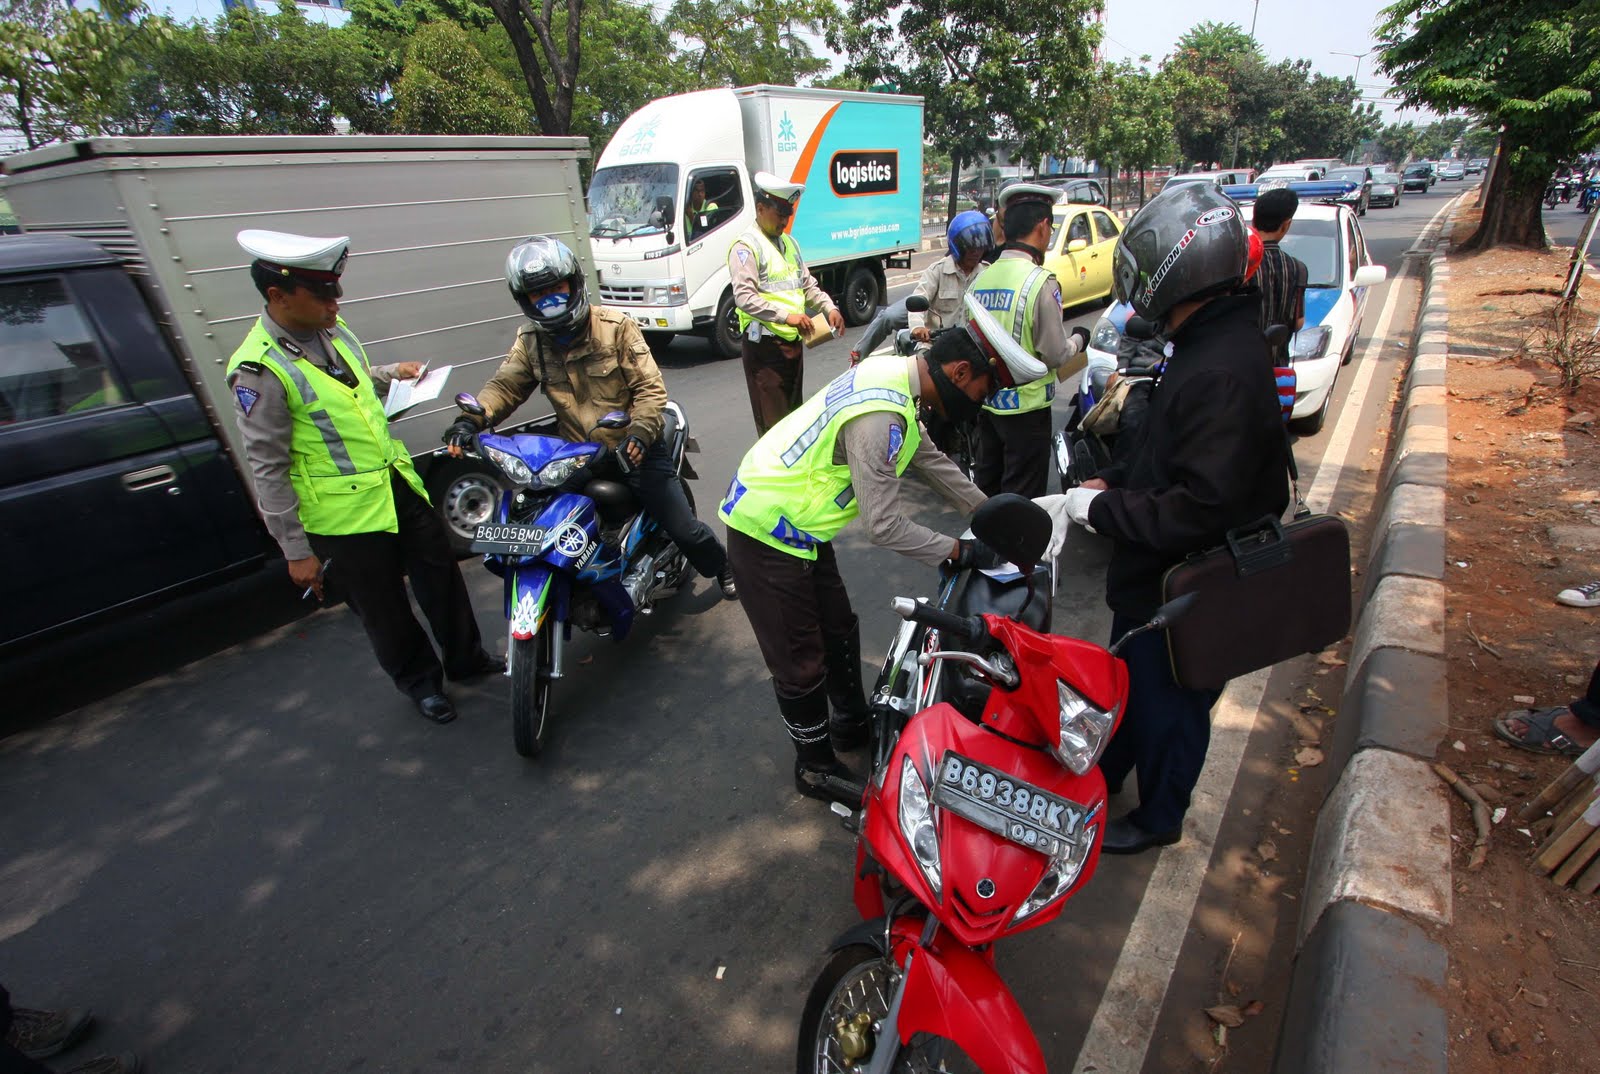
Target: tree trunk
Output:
[
  {"x": 955, "y": 183},
  {"x": 517, "y": 18},
  {"x": 1512, "y": 208},
  {"x": 1141, "y": 186}
]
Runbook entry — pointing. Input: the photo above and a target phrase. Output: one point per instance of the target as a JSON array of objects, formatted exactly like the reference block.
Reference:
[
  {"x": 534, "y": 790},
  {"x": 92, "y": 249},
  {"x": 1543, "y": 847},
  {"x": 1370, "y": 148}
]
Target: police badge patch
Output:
[
  {"x": 897, "y": 439},
  {"x": 247, "y": 398}
]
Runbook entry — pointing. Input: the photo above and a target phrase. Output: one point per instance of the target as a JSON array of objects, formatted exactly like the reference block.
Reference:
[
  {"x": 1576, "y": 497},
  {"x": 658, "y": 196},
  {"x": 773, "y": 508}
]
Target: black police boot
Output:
[
  {"x": 851, "y": 722},
  {"x": 817, "y": 772}
]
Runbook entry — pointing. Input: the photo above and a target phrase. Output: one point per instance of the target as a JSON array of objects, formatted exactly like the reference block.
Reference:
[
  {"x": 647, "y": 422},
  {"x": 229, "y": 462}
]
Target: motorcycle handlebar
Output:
[{"x": 968, "y": 627}]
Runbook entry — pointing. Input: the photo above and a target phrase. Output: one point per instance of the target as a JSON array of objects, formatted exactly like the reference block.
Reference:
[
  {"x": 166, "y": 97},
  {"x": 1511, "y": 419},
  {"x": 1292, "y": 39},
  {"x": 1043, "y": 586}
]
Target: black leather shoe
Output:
[
  {"x": 437, "y": 707},
  {"x": 828, "y": 783},
  {"x": 484, "y": 665},
  {"x": 730, "y": 591},
  {"x": 849, "y": 731},
  {"x": 1123, "y": 836}
]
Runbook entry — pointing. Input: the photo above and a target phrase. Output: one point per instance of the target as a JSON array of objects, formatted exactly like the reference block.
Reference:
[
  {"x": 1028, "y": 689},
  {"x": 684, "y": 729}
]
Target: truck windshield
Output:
[{"x": 632, "y": 199}]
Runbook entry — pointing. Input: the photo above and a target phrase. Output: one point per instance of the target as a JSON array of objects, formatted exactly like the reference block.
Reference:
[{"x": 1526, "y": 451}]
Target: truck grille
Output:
[
  {"x": 116, "y": 239},
  {"x": 621, "y": 294}
]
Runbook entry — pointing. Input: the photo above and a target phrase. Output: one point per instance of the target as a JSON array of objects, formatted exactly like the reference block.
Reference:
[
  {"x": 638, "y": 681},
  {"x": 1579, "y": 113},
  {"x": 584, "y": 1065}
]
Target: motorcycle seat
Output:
[
  {"x": 614, "y": 500},
  {"x": 980, "y": 594}
]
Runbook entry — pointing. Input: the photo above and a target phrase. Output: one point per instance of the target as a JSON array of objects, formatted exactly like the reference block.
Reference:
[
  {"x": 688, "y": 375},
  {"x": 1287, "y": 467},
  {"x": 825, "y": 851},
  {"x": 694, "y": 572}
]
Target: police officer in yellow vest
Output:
[
  {"x": 842, "y": 454},
  {"x": 1014, "y": 429},
  {"x": 776, "y": 298},
  {"x": 336, "y": 490}
]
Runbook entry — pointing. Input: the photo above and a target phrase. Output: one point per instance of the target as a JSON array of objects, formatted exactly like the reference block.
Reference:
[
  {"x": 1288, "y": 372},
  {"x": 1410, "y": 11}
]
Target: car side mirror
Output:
[
  {"x": 1077, "y": 244},
  {"x": 1369, "y": 276},
  {"x": 469, "y": 405}
]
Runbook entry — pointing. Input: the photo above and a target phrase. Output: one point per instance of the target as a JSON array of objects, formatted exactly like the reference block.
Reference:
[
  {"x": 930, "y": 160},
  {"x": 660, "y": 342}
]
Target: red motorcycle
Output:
[{"x": 981, "y": 817}]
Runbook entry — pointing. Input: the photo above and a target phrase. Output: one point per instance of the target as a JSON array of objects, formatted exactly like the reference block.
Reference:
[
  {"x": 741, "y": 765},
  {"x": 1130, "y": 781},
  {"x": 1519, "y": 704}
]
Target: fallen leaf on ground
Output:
[
  {"x": 1537, "y": 999},
  {"x": 1253, "y": 1008},
  {"x": 1331, "y": 659},
  {"x": 1267, "y": 849},
  {"x": 1233, "y": 989},
  {"x": 1308, "y": 757},
  {"x": 1225, "y": 1015}
]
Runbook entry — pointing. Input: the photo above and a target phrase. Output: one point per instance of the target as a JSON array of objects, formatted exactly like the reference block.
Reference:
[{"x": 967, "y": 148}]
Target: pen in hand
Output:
[{"x": 321, "y": 573}]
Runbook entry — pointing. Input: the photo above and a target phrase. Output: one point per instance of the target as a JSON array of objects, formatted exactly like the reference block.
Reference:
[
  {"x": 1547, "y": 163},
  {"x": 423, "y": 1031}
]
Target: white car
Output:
[{"x": 1340, "y": 273}]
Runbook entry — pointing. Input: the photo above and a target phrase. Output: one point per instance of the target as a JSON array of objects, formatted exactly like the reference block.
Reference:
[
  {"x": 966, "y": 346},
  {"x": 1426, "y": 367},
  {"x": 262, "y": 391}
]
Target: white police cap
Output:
[
  {"x": 297, "y": 255},
  {"x": 772, "y": 186},
  {"x": 1018, "y": 193}
]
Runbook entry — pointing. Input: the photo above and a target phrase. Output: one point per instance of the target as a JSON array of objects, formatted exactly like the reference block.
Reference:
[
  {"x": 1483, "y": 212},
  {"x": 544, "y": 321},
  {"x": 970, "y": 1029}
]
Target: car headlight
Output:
[
  {"x": 509, "y": 464},
  {"x": 916, "y": 823},
  {"x": 1105, "y": 336},
  {"x": 556, "y": 473},
  {"x": 1060, "y": 875},
  {"x": 671, "y": 293},
  {"x": 1310, "y": 342},
  {"x": 1085, "y": 730}
]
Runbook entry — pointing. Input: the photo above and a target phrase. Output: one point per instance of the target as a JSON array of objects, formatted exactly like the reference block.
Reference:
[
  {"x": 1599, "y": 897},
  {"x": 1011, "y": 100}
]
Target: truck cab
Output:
[{"x": 114, "y": 486}]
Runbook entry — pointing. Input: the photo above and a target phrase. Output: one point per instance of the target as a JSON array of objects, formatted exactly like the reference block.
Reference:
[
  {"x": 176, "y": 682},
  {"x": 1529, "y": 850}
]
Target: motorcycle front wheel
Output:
[
  {"x": 530, "y": 691},
  {"x": 848, "y": 1001}
]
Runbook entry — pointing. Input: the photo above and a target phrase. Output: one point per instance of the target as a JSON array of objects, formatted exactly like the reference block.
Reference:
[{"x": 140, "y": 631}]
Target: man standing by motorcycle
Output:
[
  {"x": 842, "y": 454},
  {"x": 590, "y": 361},
  {"x": 776, "y": 298},
  {"x": 942, "y": 283},
  {"x": 1210, "y": 457},
  {"x": 1014, "y": 428}
]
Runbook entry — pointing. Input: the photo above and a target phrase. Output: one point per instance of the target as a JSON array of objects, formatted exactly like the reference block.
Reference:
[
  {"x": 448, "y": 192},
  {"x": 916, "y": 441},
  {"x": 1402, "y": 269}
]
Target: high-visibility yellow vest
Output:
[
  {"x": 340, "y": 448},
  {"x": 1007, "y": 289},
  {"x": 780, "y": 279},
  {"x": 788, "y": 492}
]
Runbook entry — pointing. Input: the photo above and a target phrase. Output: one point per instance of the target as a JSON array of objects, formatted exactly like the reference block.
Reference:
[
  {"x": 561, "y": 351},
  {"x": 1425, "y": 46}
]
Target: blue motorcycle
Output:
[{"x": 574, "y": 549}]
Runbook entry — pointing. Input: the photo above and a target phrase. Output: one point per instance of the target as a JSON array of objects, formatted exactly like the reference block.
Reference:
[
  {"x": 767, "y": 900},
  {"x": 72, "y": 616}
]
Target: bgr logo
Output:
[
  {"x": 865, "y": 171},
  {"x": 787, "y": 142}
]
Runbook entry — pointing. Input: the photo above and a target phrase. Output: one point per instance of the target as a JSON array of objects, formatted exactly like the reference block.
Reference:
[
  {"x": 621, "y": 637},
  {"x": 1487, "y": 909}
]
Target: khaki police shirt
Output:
[
  {"x": 268, "y": 428},
  {"x": 943, "y": 284},
  {"x": 742, "y": 266},
  {"x": 611, "y": 369},
  {"x": 1050, "y": 337}
]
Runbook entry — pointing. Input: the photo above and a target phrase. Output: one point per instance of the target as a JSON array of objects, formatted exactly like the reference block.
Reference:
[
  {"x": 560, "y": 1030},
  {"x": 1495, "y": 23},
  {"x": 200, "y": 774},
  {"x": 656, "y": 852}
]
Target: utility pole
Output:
[{"x": 1356, "y": 81}]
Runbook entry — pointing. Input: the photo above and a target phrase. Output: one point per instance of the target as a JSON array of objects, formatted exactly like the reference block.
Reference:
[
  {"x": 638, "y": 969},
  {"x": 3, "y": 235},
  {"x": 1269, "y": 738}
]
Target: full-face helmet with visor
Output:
[
  {"x": 537, "y": 265},
  {"x": 969, "y": 231},
  {"x": 1188, "y": 243}
]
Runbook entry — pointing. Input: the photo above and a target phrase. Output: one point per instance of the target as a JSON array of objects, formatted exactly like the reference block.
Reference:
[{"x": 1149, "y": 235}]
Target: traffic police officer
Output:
[
  {"x": 775, "y": 297},
  {"x": 336, "y": 490},
  {"x": 842, "y": 454},
  {"x": 1014, "y": 428}
]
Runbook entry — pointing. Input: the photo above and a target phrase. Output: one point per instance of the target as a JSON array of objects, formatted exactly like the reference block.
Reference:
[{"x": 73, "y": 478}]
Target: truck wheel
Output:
[
  {"x": 465, "y": 493},
  {"x": 861, "y": 296},
  {"x": 725, "y": 332}
]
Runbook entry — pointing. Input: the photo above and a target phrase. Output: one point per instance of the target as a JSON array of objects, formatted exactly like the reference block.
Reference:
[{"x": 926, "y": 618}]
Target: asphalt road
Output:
[{"x": 247, "y": 853}]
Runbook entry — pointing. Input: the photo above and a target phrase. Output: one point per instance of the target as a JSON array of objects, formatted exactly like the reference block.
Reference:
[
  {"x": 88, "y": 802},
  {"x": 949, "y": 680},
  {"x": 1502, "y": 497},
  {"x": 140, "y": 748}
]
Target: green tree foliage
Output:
[
  {"x": 1215, "y": 71},
  {"x": 63, "y": 68},
  {"x": 448, "y": 88},
  {"x": 986, "y": 69},
  {"x": 625, "y": 64},
  {"x": 547, "y": 44},
  {"x": 1397, "y": 142},
  {"x": 1128, "y": 121},
  {"x": 1528, "y": 67},
  {"x": 748, "y": 42}
]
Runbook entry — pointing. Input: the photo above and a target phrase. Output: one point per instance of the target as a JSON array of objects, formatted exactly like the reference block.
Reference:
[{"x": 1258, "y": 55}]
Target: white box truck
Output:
[
  {"x": 123, "y": 300},
  {"x": 859, "y": 155}
]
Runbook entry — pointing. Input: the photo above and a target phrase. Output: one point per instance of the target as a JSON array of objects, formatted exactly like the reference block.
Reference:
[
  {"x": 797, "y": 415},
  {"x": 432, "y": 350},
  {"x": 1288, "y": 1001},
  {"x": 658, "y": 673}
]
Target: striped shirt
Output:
[{"x": 1282, "y": 282}]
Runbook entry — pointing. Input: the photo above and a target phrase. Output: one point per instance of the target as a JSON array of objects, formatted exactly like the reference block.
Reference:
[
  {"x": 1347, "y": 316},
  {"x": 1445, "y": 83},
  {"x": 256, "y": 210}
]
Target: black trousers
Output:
[
  {"x": 369, "y": 570},
  {"x": 656, "y": 484},
  {"x": 1587, "y": 707},
  {"x": 792, "y": 605},
  {"x": 1013, "y": 453},
  {"x": 774, "y": 380},
  {"x": 1163, "y": 735},
  {"x": 13, "y": 1061}
]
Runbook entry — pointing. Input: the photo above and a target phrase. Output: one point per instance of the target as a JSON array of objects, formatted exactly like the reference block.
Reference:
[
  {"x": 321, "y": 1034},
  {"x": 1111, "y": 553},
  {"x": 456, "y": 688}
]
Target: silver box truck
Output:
[{"x": 113, "y": 400}]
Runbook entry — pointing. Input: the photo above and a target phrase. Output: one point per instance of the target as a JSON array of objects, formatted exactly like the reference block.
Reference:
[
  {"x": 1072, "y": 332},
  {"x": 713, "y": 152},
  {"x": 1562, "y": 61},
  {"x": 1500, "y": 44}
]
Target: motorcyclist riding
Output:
[
  {"x": 589, "y": 361},
  {"x": 967, "y": 239}
]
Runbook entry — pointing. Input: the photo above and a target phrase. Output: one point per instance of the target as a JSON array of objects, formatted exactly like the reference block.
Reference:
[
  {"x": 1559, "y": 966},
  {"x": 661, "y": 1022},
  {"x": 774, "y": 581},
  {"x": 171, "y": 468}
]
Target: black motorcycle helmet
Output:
[
  {"x": 539, "y": 263},
  {"x": 1189, "y": 242}
]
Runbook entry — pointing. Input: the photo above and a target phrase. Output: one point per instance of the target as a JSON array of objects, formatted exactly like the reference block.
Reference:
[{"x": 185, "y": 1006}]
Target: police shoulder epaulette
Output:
[{"x": 251, "y": 367}]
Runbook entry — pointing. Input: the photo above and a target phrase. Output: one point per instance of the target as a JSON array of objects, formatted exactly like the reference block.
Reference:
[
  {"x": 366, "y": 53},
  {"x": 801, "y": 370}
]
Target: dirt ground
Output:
[{"x": 1524, "y": 978}]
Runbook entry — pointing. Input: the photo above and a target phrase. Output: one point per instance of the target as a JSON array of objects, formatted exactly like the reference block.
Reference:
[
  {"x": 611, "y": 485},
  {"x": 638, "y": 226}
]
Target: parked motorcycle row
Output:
[{"x": 1563, "y": 188}]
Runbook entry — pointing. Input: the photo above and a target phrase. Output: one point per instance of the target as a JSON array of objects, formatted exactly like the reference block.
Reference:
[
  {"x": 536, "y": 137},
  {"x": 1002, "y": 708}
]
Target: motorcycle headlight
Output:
[
  {"x": 1063, "y": 871},
  {"x": 1105, "y": 336},
  {"x": 509, "y": 464},
  {"x": 916, "y": 823},
  {"x": 556, "y": 473},
  {"x": 1085, "y": 730},
  {"x": 1310, "y": 342}
]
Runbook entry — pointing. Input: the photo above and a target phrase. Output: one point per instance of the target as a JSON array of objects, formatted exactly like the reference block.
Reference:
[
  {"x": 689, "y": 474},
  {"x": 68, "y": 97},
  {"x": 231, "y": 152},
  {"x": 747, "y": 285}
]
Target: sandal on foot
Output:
[{"x": 1539, "y": 734}]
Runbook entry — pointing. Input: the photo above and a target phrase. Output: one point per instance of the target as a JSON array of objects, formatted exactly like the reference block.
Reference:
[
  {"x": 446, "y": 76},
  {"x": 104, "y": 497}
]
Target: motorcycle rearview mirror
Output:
[
  {"x": 1277, "y": 335},
  {"x": 617, "y": 419},
  {"x": 916, "y": 304},
  {"x": 1139, "y": 328},
  {"x": 1015, "y": 527},
  {"x": 1165, "y": 616},
  {"x": 469, "y": 405}
]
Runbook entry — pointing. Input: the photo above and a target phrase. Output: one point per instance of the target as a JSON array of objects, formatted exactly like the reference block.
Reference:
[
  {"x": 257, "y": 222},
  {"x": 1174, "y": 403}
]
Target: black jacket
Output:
[{"x": 1209, "y": 456}]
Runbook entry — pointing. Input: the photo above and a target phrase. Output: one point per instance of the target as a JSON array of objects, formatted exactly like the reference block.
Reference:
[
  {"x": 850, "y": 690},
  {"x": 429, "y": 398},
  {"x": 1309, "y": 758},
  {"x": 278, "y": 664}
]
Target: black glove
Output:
[
  {"x": 627, "y": 464},
  {"x": 461, "y": 433},
  {"x": 975, "y": 555},
  {"x": 1081, "y": 334}
]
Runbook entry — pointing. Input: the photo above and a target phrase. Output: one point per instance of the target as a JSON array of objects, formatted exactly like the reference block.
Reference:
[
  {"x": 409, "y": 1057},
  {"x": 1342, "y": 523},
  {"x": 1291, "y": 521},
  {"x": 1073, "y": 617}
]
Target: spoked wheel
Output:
[
  {"x": 844, "y": 1013},
  {"x": 530, "y": 691}
]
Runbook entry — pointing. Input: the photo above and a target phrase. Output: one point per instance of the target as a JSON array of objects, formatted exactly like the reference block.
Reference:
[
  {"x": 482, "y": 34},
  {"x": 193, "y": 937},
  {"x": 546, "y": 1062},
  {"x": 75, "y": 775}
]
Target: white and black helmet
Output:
[
  {"x": 1189, "y": 242},
  {"x": 538, "y": 263}
]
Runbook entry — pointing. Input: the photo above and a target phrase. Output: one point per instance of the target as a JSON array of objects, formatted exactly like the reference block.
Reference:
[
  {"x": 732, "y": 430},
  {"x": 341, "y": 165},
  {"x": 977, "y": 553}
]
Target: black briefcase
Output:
[{"x": 1273, "y": 591}]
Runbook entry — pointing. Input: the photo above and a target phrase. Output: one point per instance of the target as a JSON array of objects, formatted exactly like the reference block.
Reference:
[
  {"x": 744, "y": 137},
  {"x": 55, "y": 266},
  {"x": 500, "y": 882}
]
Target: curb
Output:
[{"x": 1366, "y": 989}]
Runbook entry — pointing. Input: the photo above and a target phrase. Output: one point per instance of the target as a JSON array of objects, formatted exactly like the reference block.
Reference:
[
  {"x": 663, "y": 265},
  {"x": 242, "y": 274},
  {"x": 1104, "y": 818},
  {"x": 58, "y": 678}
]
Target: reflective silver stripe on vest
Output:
[
  {"x": 1024, "y": 303},
  {"x": 353, "y": 343},
  {"x": 320, "y": 416},
  {"x": 788, "y": 283},
  {"x": 804, "y": 441}
]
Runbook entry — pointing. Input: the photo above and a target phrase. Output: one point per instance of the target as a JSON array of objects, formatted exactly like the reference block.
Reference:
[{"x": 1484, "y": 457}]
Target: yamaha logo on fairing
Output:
[{"x": 865, "y": 171}]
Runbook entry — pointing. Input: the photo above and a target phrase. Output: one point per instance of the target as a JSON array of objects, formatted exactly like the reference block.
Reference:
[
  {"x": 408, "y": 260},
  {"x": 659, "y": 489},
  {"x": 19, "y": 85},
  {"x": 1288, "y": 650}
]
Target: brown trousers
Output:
[
  {"x": 793, "y": 605},
  {"x": 774, "y": 379}
]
